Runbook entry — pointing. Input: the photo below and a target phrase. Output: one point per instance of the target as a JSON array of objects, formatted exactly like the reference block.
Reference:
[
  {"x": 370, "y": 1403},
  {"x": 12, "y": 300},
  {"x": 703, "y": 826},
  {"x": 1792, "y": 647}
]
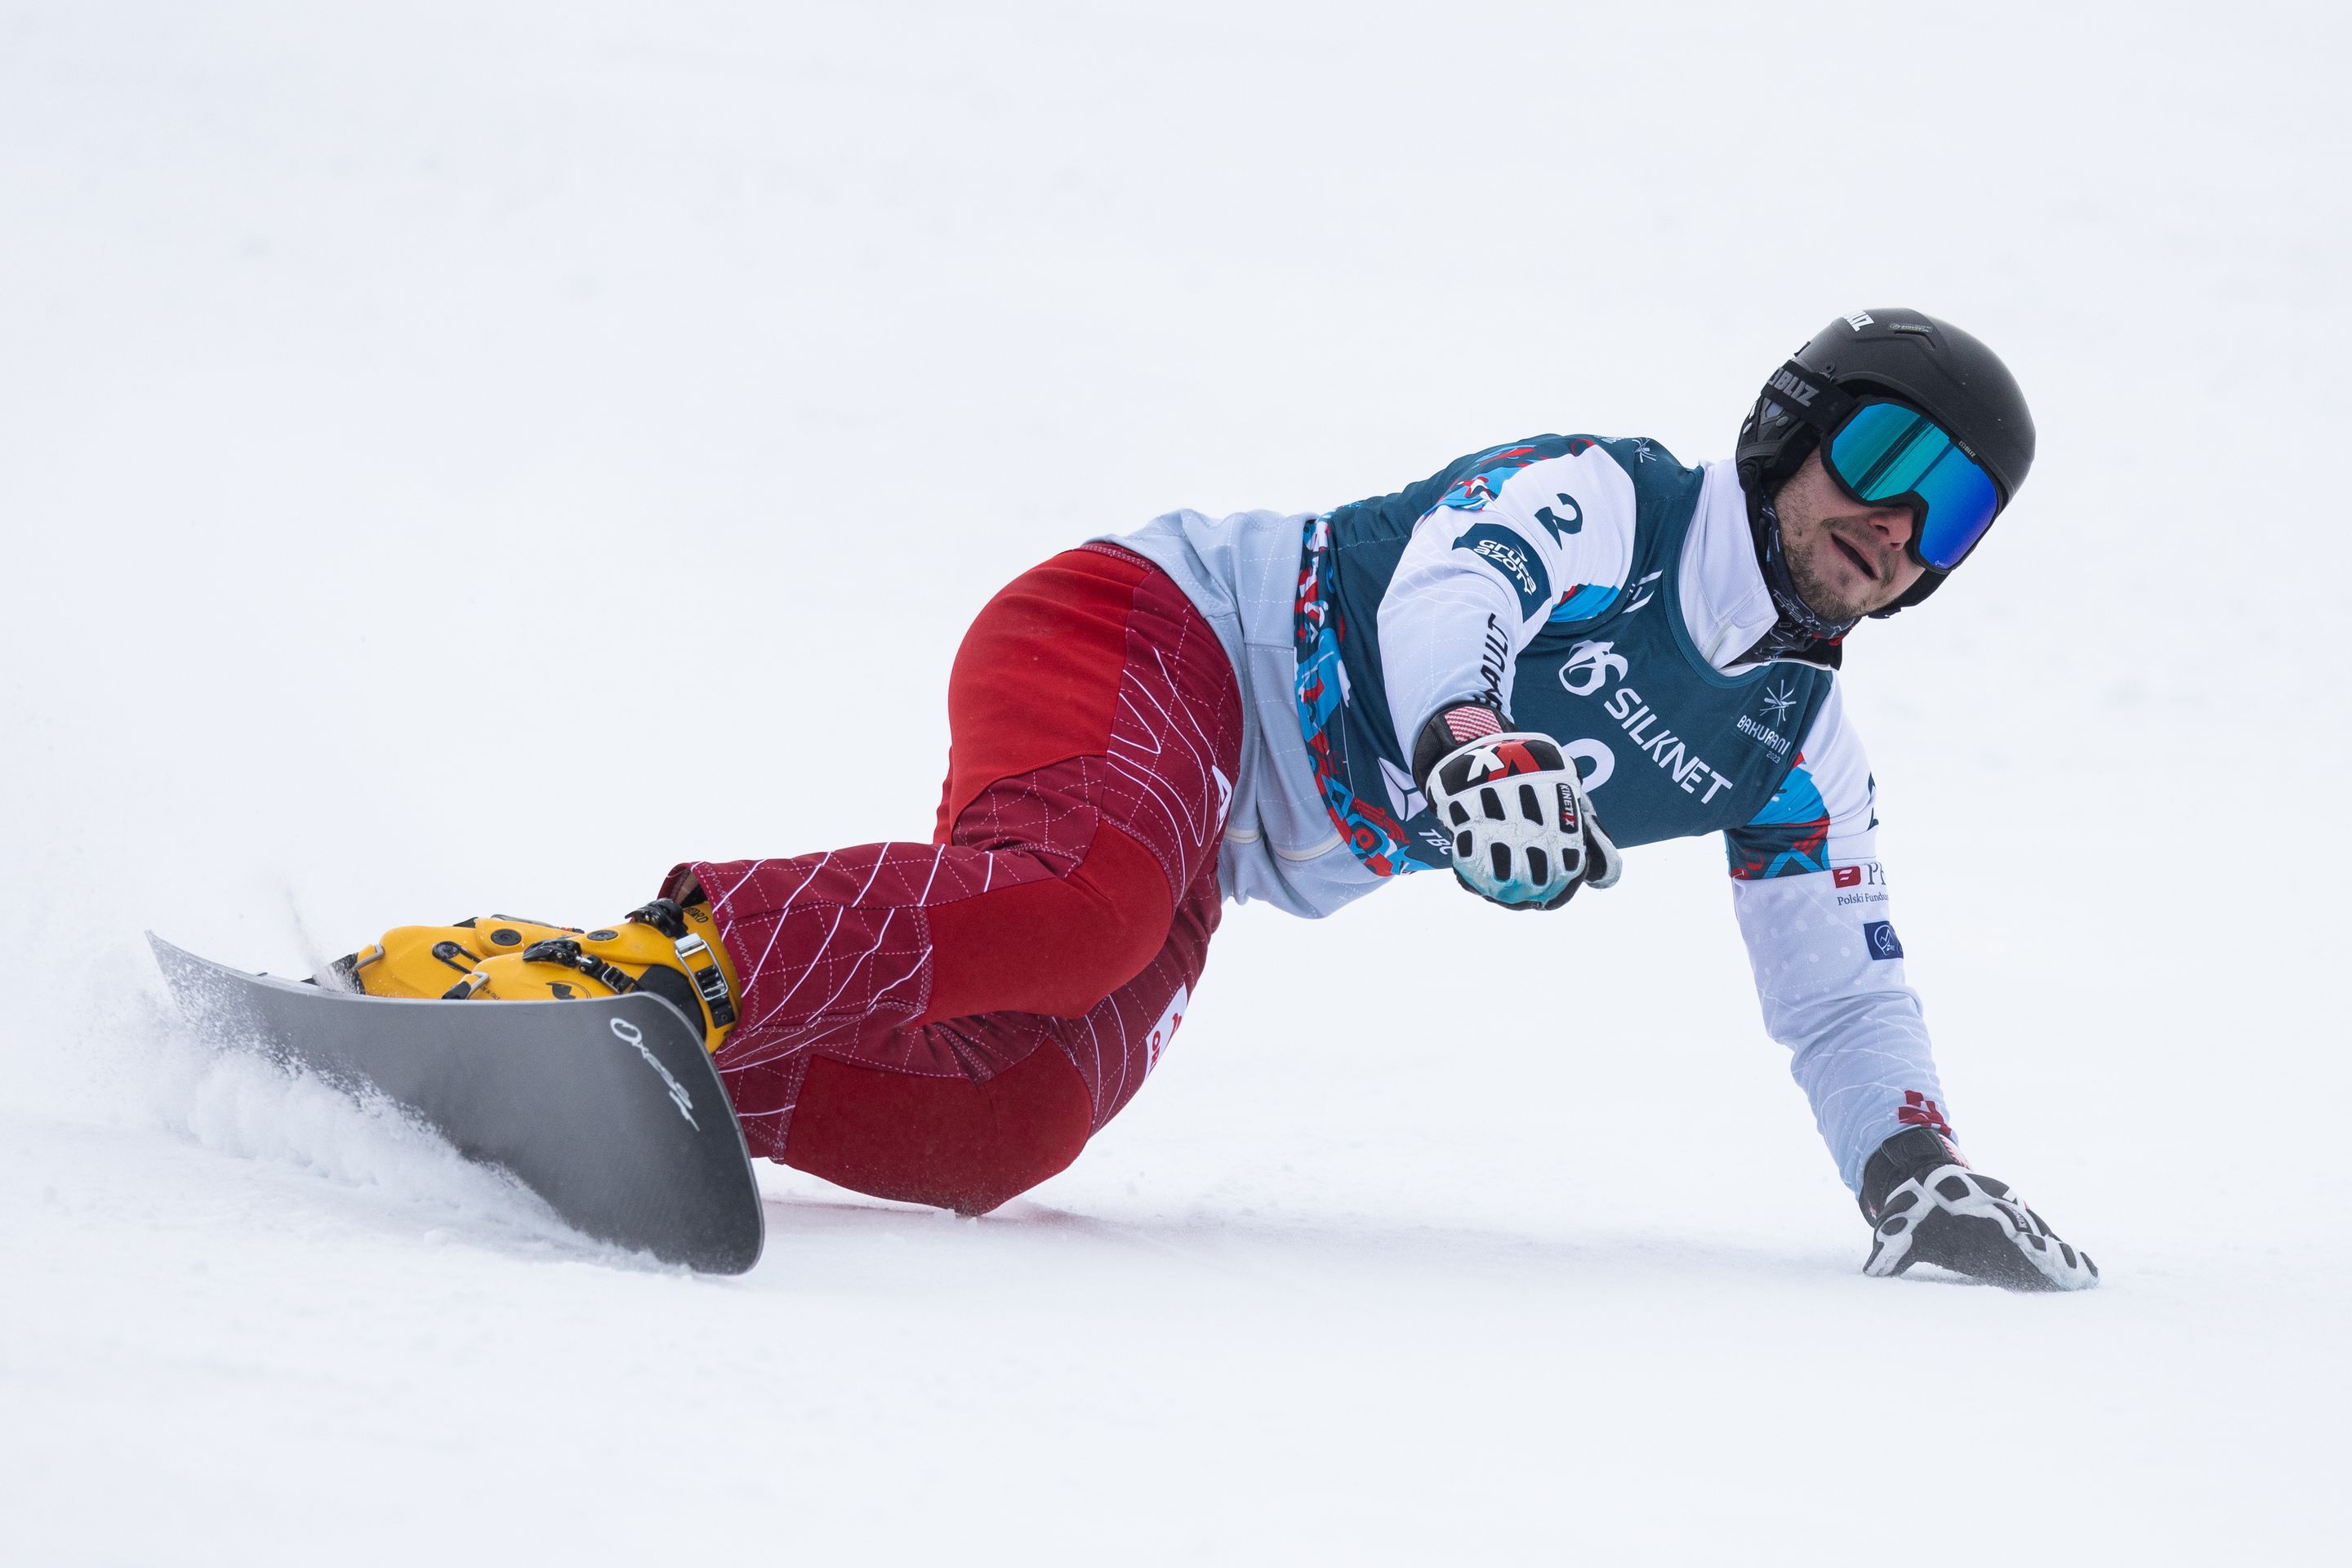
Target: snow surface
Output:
[{"x": 407, "y": 410}]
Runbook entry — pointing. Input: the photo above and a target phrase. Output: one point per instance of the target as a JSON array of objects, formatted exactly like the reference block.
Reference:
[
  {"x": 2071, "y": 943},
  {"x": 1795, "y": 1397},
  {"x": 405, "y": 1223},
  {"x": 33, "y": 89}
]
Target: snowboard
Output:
[{"x": 608, "y": 1108}]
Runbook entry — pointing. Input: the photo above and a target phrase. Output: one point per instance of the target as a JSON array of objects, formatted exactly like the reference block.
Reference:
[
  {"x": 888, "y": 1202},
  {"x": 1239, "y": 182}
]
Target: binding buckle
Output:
[
  {"x": 710, "y": 980},
  {"x": 565, "y": 950}
]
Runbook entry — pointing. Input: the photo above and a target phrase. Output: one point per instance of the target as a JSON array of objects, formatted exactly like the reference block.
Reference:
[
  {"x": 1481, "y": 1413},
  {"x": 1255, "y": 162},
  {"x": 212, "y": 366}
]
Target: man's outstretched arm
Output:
[{"x": 1818, "y": 918}]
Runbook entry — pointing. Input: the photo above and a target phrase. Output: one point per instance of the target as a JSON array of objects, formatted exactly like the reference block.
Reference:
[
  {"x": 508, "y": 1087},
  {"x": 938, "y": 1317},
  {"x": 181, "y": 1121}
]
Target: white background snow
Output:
[{"x": 408, "y": 413}]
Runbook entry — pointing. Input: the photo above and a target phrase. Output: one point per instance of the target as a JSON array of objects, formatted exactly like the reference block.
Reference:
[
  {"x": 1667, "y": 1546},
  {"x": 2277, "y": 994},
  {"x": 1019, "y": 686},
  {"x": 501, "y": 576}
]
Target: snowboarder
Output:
[{"x": 1545, "y": 652}]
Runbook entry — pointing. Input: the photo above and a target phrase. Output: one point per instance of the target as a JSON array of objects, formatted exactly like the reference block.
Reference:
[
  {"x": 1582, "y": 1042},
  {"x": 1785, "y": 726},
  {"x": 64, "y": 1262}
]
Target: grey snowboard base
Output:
[{"x": 609, "y": 1109}]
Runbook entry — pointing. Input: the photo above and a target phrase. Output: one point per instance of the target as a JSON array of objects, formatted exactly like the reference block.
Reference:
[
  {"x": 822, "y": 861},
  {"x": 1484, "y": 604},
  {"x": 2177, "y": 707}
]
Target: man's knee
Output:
[
  {"x": 1121, "y": 924},
  {"x": 1055, "y": 946}
]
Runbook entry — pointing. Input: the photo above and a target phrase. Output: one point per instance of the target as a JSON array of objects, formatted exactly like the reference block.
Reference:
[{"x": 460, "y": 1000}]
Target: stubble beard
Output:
[{"x": 1820, "y": 596}]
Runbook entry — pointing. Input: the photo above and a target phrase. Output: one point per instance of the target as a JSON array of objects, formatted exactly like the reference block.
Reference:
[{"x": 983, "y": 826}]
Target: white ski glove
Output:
[
  {"x": 1524, "y": 835},
  {"x": 1926, "y": 1206}
]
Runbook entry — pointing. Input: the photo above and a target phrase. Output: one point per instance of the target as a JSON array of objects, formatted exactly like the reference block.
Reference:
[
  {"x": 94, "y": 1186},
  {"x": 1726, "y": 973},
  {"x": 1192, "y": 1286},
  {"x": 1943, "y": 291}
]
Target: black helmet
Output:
[{"x": 1910, "y": 356}]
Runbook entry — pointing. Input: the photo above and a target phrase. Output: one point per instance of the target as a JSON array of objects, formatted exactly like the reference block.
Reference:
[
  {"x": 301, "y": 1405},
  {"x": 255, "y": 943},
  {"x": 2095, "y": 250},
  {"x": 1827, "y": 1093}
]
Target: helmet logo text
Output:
[{"x": 1797, "y": 392}]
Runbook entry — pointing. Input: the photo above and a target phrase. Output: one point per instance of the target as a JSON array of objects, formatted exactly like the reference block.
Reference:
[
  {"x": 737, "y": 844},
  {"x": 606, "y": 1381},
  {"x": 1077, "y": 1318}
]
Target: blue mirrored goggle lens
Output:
[{"x": 1886, "y": 450}]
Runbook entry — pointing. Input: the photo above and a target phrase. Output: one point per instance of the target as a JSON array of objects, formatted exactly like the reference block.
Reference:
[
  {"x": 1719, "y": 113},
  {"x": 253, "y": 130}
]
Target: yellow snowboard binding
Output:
[{"x": 663, "y": 948}]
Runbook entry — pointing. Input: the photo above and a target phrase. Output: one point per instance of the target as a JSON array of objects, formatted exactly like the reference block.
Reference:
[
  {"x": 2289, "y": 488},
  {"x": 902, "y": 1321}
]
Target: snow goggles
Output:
[{"x": 1882, "y": 452}]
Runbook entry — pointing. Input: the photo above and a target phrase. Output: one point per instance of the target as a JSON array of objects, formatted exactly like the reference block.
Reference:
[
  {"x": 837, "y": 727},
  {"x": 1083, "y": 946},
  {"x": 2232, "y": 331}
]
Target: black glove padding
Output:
[
  {"x": 1522, "y": 832},
  {"x": 1926, "y": 1205}
]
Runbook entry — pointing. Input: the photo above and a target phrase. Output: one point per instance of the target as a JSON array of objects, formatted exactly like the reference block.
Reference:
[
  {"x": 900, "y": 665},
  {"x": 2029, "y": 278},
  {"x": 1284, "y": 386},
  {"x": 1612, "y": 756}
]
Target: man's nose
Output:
[{"x": 1894, "y": 524}]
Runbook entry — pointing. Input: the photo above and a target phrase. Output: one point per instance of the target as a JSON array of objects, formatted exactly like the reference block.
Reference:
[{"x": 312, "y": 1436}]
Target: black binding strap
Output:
[{"x": 663, "y": 915}]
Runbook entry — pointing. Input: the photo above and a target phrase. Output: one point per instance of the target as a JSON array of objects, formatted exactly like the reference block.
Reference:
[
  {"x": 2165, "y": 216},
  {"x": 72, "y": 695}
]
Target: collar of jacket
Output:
[{"x": 1800, "y": 634}]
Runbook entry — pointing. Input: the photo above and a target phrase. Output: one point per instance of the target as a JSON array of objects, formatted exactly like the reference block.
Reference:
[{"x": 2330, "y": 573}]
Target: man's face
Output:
[{"x": 1845, "y": 556}]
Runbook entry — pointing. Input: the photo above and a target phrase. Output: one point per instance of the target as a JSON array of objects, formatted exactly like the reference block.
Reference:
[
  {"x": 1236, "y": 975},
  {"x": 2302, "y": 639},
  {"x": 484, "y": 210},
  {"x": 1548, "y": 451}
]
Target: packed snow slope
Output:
[{"x": 409, "y": 412}]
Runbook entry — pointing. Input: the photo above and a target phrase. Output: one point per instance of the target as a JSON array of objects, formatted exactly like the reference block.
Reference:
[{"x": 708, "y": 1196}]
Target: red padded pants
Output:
[{"x": 948, "y": 1023}]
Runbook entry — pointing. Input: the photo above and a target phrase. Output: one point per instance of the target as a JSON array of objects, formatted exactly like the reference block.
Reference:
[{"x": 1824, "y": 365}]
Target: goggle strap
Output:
[{"x": 1811, "y": 397}]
